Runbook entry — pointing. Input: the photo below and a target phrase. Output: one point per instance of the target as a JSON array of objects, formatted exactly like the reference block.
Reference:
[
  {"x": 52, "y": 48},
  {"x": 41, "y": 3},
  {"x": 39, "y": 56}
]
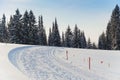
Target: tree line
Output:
[{"x": 24, "y": 29}]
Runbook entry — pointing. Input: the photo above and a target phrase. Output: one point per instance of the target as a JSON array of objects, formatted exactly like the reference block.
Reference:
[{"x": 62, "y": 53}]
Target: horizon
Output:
[{"x": 90, "y": 16}]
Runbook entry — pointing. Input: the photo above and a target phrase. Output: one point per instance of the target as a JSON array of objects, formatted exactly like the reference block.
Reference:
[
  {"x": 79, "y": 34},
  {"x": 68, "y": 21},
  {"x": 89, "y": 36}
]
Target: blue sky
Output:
[{"x": 91, "y": 16}]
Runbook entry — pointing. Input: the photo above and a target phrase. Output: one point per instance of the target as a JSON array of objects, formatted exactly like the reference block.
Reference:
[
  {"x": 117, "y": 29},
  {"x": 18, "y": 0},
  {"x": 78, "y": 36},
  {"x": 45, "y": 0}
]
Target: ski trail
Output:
[{"x": 41, "y": 63}]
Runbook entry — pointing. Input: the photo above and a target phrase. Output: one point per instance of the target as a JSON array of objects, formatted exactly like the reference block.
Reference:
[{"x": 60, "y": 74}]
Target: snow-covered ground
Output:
[
  {"x": 7, "y": 70},
  {"x": 18, "y": 62}
]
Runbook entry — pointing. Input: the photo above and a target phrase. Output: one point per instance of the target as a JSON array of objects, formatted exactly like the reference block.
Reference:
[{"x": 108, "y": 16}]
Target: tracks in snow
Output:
[{"x": 40, "y": 63}]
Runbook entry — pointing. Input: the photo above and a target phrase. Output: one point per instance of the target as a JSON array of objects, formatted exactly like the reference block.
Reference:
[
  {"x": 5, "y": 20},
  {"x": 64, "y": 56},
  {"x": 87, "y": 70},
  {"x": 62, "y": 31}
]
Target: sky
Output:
[{"x": 91, "y": 16}]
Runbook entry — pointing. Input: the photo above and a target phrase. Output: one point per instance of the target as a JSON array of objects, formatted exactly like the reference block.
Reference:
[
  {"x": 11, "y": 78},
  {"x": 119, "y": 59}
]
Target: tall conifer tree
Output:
[
  {"x": 68, "y": 37},
  {"x": 113, "y": 30},
  {"x": 41, "y": 32}
]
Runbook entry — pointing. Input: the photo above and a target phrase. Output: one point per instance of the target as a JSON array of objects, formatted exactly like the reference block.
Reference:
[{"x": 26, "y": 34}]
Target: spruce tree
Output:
[
  {"x": 55, "y": 35},
  {"x": 113, "y": 30},
  {"x": 50, "y": 38},
  {"x": 94, "y": 46},
  {"x": 102, "y": 41},
  {"x": 41, "y": 32},
  {"x": 89, "y": 44},
  {"x": 79, "y": 38},
  {"x": 32, "y": 29},
  {"x": 76, "y": 37},
  {"x": 29, "y": 28},
  {"x": 63, "y": 40},
  {"x": 108, "y": 37},
  {"x": 83, "y": 40},
  {"x": 51, "y": 35},
  {"x": 3, "y": 30},
  {"x": 25, "y": 28},
  {"x": 14, "y": 28},
  {"x": 68, "y": 37}
]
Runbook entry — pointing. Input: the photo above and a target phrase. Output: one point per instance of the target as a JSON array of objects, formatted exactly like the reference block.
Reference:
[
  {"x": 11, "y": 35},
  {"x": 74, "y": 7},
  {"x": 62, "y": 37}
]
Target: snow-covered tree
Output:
[
  {"x": 102, "y": 41},
  {"x": 113, "y": 30},
  {"x": 68, "y": 37},
  {"x": 50, "y": 38},
  {"x": 76, "y": 38},
  {"x": 79, "y": 38},
  {"x": 94, "y": 46},
  {"x": 32, "y": 29},
  {"x": 89, "y": 44},
  {"x": 63, "y": 40},
  {"x": 41, "y": 32},
  {"x": 109, "y": 36},
  {"x": 29, "y": 29},
  {"x": 14, "y": 28},
  {"x": 3, "y": 30},
  {"x": 83, "y": 40},
  {"x": 56, "y": 40},
  {"x": 25, "y": 28}
]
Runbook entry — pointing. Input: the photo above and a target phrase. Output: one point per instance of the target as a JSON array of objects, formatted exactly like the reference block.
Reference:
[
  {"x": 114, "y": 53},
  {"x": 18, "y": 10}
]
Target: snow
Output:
[
  {"x": 7, "y": 70},
  {"x": 23, "y": 62}
]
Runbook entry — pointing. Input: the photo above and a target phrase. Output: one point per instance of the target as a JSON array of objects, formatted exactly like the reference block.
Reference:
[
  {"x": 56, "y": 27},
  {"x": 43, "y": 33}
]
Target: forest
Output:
[{"x": 24, "y": 29}]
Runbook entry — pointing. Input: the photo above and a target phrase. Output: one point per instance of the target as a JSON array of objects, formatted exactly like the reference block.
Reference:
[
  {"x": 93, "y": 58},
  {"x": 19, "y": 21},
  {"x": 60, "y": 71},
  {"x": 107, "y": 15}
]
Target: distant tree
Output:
[
  {"x": 79, "y": 38},
  {"x": 76, "y": 37},
  {"x": 109, "y": 36},
  {"x": 63, "y": 40},
  {"x": 51, "y": 35},
  {"x": 41, "y": 32},
  {"x": 68, "y": 37},
  {"x": 50, "y": 38},
  {"x": 83, "y": 40},
  {"x": 89, "y": 44},
  {"x": 94, "y": 46},
  {"x": 56, "y": 40},
  {"x": 102, "y": 41},
  {"x": 3, "y": 30}
]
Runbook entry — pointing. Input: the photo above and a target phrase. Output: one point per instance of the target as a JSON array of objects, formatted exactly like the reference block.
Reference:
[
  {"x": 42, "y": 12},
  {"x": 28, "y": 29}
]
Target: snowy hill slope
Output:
[
  {"x": 52, "y": 63},
  {"x": 7, "y": 70}
]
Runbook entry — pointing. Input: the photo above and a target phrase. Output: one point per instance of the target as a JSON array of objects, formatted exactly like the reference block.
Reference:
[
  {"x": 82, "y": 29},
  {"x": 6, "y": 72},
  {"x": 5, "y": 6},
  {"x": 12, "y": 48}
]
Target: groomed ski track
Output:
[{"x": 41, "y": 63}]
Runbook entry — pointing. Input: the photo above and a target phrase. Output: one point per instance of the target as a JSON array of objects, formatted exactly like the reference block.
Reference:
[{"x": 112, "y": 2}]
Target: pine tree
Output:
[
  {"x": 113, "y": 30},
  {"x": 76, "y": 36},
  {"x": 32, "y": 29},
  {"x": 102, "y": 41},
  {"x": 41, "y": 32},
  {"x": 3, "y": 30},
  {"x": 56, "y": 40},
  {"x": 109, "y": 36},
  {"x": 14, "y": 28},
  {"x": 25, "y": 28},
  {"x": 94, "y": 46},
  {"x": 83, "y": 40},
  {"x": 63, "y": 40},
  {"x": 89, "y": 45},
  {"x": 51, "y": 35},
  {"x": 79, "y": 38},
  {"x": 29, "y": 28},
  {"x": 50, "y": 38},
  {"x": 68, "y": 37}
]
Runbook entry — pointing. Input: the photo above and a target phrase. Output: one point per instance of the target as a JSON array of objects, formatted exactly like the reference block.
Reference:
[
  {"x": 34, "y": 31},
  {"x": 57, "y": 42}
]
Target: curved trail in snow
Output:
[{"x": 41, "y": 63}]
